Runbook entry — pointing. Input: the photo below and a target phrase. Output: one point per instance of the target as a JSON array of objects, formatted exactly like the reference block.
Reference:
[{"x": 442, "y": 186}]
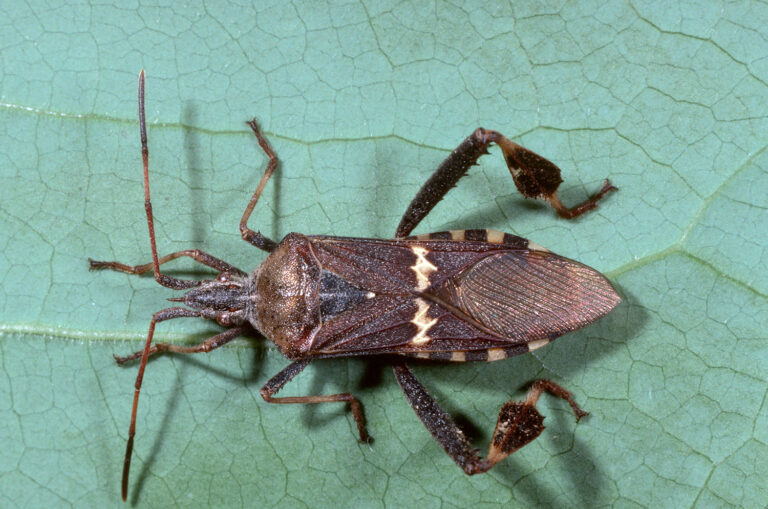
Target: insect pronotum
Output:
[{"x": 462, "y": 295}]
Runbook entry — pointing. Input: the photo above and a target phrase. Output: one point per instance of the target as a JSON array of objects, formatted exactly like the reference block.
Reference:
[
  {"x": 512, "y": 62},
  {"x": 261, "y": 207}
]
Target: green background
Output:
[{"x": 361, "y": 102}]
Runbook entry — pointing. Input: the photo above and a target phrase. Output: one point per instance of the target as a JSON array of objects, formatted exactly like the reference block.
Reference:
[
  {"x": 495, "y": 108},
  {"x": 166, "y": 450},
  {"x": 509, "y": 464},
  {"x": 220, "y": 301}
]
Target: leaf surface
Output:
[{"x": 361, "y": 102}]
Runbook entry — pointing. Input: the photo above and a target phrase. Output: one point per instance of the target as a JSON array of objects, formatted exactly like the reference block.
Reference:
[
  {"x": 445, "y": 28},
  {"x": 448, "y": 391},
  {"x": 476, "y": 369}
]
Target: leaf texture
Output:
[{"x": 361, "y": 101}]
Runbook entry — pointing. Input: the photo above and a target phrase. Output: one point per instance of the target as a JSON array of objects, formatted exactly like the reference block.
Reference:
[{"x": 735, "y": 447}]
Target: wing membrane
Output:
[{"x": 529, "y": 295}]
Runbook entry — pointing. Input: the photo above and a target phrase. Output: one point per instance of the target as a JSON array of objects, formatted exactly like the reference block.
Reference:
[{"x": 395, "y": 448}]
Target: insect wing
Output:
[
  {"x": 529, "y": 295},
  {"x": 454, "y": 300}
]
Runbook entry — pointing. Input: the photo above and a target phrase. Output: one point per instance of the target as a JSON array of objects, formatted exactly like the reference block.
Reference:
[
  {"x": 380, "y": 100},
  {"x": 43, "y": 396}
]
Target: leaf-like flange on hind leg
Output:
[
  {"x": 520, "y": 423},
  {"x": 538, "y": 177}
]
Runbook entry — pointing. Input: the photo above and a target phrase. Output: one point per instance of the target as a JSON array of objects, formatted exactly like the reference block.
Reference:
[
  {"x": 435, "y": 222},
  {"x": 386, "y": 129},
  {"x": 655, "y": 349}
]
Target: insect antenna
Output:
[
  {"x": 160, "y": 316},
  {"x": 163, "y": 279}
]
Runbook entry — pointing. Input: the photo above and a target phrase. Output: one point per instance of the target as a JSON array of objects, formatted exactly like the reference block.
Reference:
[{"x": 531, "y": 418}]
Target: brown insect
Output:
[{"x": 466, "y": 295}]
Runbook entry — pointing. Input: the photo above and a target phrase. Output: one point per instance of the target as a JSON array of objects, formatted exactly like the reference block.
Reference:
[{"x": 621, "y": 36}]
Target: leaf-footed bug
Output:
[{"x": 462, "y": 295}]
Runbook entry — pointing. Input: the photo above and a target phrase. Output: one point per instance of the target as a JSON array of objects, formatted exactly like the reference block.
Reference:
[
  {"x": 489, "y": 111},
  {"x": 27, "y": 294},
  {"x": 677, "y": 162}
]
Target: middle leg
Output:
[{"x": 278, "y": 381}]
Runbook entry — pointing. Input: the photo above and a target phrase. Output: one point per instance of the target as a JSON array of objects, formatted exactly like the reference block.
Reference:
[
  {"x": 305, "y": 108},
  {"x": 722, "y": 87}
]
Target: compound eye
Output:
[{"x": 224, "y": 319}]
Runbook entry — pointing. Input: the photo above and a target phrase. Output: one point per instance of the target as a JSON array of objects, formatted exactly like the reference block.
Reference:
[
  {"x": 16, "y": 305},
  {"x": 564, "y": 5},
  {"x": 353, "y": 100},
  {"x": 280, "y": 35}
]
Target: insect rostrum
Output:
[{"x": 464, "y": 295}]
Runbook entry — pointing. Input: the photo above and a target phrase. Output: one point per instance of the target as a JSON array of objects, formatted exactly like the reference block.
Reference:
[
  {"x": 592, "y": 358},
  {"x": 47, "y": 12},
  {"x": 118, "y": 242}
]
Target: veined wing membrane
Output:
[{"x": 525, "y": 295}]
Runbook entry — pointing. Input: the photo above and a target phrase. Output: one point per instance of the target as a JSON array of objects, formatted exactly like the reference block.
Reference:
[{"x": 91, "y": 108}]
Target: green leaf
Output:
[{"x": 361, "y": 102}]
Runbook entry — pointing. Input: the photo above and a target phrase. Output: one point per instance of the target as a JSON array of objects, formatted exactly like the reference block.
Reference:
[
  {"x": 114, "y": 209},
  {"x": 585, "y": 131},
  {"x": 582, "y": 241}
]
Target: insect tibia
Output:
[
  {"x": 538, "y": 177},
  {"x": 520, "y": 423}
]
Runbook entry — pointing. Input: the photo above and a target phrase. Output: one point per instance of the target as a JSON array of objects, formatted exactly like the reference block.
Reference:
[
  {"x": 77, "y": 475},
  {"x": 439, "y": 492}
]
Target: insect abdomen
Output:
[{"x": 486, "y": 355}]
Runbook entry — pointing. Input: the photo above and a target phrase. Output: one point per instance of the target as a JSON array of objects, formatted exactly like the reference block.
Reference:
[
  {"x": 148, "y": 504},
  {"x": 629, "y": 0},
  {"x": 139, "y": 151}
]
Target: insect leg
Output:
[
  {"x": 195, "y": 254},
  {"x": 518, "y": 423},
  {"x": 286, "y": 375},
  {"x": 437, "y": 421},
  {"x": 250, "y": 236},
  {"x": 534, "y": 176},
  {"x": 206, "y": 346}
]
